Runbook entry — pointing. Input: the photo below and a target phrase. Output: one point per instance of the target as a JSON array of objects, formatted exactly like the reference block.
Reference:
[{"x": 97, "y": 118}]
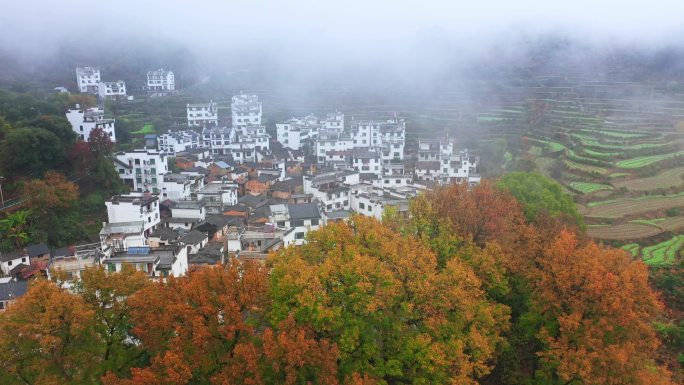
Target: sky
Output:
[{"x": 350, "y": 26}]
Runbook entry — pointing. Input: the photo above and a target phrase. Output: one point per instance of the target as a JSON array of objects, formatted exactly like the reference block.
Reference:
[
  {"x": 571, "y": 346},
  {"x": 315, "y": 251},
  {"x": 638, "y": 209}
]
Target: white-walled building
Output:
[
  {"x": 242, "y": 143},
  {"x": 439, "y": 162},
  {"x": 218, "y": 195},
  {"x": 88, "y": 79},
  {"x": 161, "y": 82},
  {"x": 245, "y": 110},
  {"x": 388, "y": 136},
  {"x": 180, "y": 186},
  {"x": 334, "y": 121},
  {"x": 83, "y": 121},
  {"x": 142, "y": 170},
  {"x": 112, "y": 90},
  {"x": 137, "y": 208},
  {"x": 303, "y": 217},
  {"x": 202, "y": 114},
  {"x": 173, "y": 142}
]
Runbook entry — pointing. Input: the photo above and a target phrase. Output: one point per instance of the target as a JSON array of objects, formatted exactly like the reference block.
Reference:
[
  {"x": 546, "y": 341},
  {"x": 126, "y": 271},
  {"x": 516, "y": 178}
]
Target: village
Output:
[{"x": 222, "y": 187}]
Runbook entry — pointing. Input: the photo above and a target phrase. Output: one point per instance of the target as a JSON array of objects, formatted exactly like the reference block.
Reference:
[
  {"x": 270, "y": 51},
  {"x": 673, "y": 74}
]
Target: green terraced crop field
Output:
[
  {"x": 644, "y": 161},
  {"x": 588, "y": 187},
  {"x": 663, "y": 253}
]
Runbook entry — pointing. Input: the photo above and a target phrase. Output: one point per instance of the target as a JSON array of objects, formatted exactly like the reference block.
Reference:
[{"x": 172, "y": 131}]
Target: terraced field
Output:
[
  {"x": 623, "y": 232},
  {"x": 644, "y": 161},
  {"x": 663, "y": 253},
  {"x": 666, "y": 179},
  {"x": 618, "y": 208},
  {"x": 618, "y": 169},
  {"x": 588, "y": 187}
]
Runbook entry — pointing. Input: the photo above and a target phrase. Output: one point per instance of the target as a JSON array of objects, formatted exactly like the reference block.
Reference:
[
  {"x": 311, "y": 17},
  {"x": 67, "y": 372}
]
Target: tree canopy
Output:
[{"x": 539, "y": 195}]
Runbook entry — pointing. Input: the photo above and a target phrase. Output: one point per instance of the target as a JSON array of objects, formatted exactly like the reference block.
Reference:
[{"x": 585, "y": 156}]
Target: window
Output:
[
  {"x": 9, "y": 263},
  {"x": 151, "y": 161},
  {"x": 23, "y": 260},
  {"x": 398, "y": 181},
  {"x": 137, "y": 161},
  {"x": 314, "y": 222},
  {"x": 299, "y": 235},
  {"x": 298, "y": 222},
  {"x": 281, "y": 224},
  {"x": 81, "y": 128}
]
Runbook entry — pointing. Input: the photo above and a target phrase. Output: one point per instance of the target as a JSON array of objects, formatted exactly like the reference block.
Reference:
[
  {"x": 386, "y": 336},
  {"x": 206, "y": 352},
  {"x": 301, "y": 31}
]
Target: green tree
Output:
[
  {"x": 540, "y": 195},
  {"x": 58, "y": 125},
  {"x": 14, "y": 230},
  {"x": 30, "y": 152}
]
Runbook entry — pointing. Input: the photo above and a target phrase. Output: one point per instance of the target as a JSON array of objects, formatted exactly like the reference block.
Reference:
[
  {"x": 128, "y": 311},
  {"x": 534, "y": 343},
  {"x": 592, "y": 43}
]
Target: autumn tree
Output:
[
  {"x": 482, "y": 213},
  {"x": 394, "y": 315},
  {"x": 80, "y": 156},
  {"x": 53, "y": 192},
  {"x": 46, "y": 337},
  {"x": 100, "y": 142},
  {"x": 108, "y": 295},
  {"x": 581, "y": 314},
  {"x": 209, "y": 327}
]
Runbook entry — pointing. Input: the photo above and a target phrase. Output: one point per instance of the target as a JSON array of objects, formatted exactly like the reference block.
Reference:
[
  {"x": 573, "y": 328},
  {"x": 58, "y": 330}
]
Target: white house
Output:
[
  {"x": 117, "y": 237},
  {"x": 218, "y": 195},
  {"x": 180, "y": 186},
  {"x": 87, "y": 79},
  {"x": 160, "y": 82},
  {"x": 83, "y": 121},
  {"x": 112, "y": 90},
  {"x": 439, "y": 162},
  {"x": 142, "y": 170},
  {"x": 303, "y": 217},
  {"x": 245, "y": 110},
  {"x": 334, "y": 121},
  {"x": 173, "y": 142},
  {"x": 135, "y": 208},
  {"x": 202, "y": 114},
  {"x": 10, "y": 260}
]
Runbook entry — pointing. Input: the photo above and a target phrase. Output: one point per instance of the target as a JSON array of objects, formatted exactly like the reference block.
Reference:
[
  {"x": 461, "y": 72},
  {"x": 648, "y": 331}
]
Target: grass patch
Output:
[{"x": 145, "y": 130}]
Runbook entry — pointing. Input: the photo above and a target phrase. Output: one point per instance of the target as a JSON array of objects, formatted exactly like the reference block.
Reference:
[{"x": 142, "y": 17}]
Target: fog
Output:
[{"x": 408, "y": 41}]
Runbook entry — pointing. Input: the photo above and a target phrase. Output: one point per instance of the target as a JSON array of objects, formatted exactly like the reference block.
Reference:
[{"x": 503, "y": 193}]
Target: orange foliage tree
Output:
[
  {"x": 395, "y": 316},
  {"x": 209, "y": 328},
  {"x": 46, "y": 337},
  {"x": 597, "y": 310}
]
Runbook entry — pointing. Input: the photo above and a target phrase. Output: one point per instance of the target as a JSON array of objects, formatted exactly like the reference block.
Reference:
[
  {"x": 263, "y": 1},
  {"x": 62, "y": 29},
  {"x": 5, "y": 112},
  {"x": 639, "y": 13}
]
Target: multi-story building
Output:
[
  {"x": 334, "y": 121},
  {"x": 246, "y": 110},
  {"x": 160, "y": 82},
  {"x": 134, "y": 208},
  {"x": 112, "y": 90},
  {"x": 387, "y": 136},
  {"x": 83, "y": 121},
  {"x": 177, "y": 141},
  {"x": 218, "y": 195},
  {"x": 202, "y": 114},
  {"x": 331, "y": 141},
  {"x": 87, "y": 79},
  {"x": 142, "y": 170},
  {"x": 180, "y": 186},
  {"x": 439, "y": 162},
  {"x": 241, "y": 143}
]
